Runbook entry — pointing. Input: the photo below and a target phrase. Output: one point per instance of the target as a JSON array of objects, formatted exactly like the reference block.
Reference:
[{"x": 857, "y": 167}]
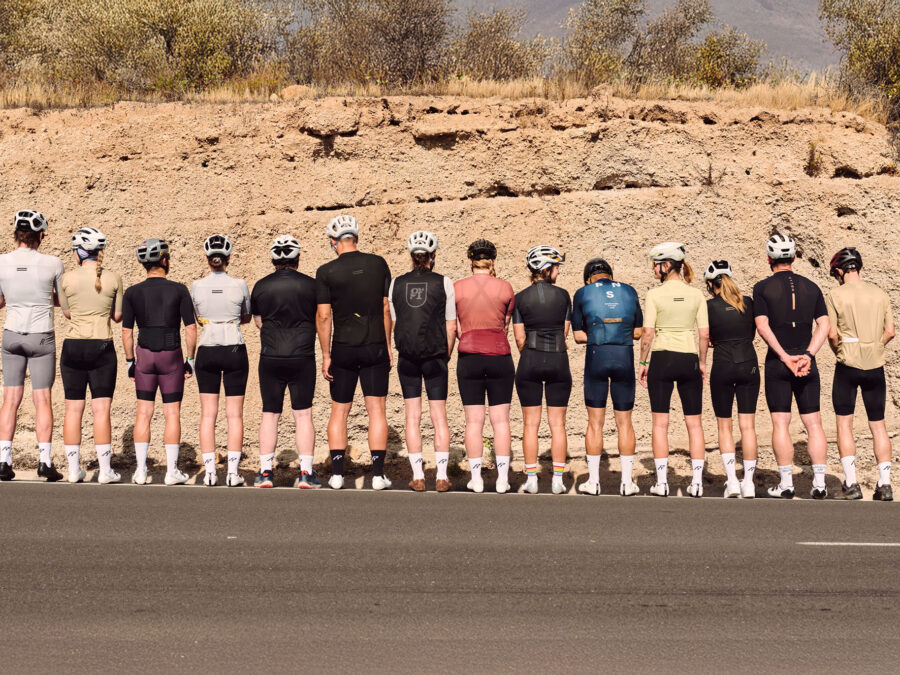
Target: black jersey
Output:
[
  {"x": 731, "y": 332},
  {"x": 792, "y": 303},
  {"x": 355, "y": 285},
  {"x": 544, "y": 309},
  {"x": 159, "y": 307},
  {"x": 421, "y": 305},
  {"x": 285, "y": 301}
]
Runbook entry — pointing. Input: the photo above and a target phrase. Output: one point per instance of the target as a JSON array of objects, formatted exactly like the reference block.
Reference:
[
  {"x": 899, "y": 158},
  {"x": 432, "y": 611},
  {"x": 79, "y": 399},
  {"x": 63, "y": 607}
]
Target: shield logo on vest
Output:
[{"x": 416, "y": 294}]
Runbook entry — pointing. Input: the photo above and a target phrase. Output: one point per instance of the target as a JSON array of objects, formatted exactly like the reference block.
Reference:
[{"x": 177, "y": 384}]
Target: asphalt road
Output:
[{"x": 156, "y": 579}]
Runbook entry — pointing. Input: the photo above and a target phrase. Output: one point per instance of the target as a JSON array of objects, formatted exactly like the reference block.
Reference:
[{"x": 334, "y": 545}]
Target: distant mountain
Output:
[{"x": 790, "y": 28}]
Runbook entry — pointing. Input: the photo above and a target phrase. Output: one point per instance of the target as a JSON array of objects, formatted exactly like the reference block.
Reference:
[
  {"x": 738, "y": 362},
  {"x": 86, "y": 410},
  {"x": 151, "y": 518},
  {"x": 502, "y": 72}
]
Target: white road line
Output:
[{"x": 848, "y": 543}]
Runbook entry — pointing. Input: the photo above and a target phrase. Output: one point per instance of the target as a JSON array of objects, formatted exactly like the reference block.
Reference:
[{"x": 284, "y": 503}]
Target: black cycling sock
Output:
[
  {"x": 378, "y": 457},
  {"x": 337, "y": 462}
]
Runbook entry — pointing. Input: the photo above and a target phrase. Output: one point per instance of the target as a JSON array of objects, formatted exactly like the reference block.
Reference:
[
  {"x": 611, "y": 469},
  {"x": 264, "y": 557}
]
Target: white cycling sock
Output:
[
  {"x": 172, "y": 456},
  {"x": 73, "y": 457},
  {"x": 627, "y": 468},
  {"x": 209, "y": 462},
  {"x": 849, "y": 464},
  {"x": 44, "y": 449},
  {"x": 884, "y": 473},
  {"x": 787, "y": 476},
  {"x": 140, "y": 454},
  {"x": 104, "y": 455},
  {"x": 266, "y": 462},
  {"x": 306, "y": 464},
  {"x": 234, "y": 460},
  {"x": 697, "y": 471},
  {"x": 819, "y": 476},
  {"x": 443, "y": 460},
  {"x": 475, "y": 467},
  {"x": 593, "y": 462},
  {"x": 749, "y": 469},
  {"x": 6, "y": 452},
  {"x": 729, "y": 462},
  {"x": 415, "y": 461},
  {"x": 662, "y": 469},
  {"x": 503, "y": 469}
]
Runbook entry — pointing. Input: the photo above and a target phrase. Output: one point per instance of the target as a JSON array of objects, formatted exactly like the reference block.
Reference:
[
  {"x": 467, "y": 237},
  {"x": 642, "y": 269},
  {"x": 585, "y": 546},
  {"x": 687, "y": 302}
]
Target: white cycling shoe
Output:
[
  {"x": 629, "y": 489},
  {"x": 77, "y": 476},
  {"x": 234, "y": 480},
  {"x": 176, "y": 477},
  {"x": 140, "y": 477},
  {"x": 695, "y": 490},
  {"x": 336, "y": 482},
  {"x": 748, "y": 489},
  {"x": 660, "y": 490},
  {"x": 530, "y": 486},
  {"x": 558, "y": 486},
  {"x": 210, "y": 479},
  {"x": 381, "y": 483},
  {"x": 475, "y": 485},
  {"x": 732, "y": 489},
  {"x": 589, "y": 487},
  {"x": 502, "y": 487},
  {"x": 105, "y": 478}
]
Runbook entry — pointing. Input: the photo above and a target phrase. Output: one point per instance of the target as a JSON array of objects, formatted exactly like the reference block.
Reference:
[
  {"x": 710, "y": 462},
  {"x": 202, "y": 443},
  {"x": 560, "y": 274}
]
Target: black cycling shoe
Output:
[
  {"x": 49, "y": 472},
  {"x": 6, "y": 472},
  {"x": 849, "y": 492},
  {"x": 883, "y": 493},
  {"x": 817, "y": 493}
]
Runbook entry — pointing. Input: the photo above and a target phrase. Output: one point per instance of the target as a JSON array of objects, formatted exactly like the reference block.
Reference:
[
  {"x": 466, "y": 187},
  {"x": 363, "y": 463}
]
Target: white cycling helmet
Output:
[
  {"x": 343, "y": 226},
  {"x": 217, "y": 244},
  {"x": 285, "y": 247},
  {"x": 422, "y": 242},
  {"x": 30, "y": 221},
  {"x": 716, "y": 269},
  {"x": 670, "y": 251},
  {"x": 152, "y": 250},
  {"x": 89, "y": 239},
  {"x": 781, "y": 247},
  {"x": 541, "y": 257}
]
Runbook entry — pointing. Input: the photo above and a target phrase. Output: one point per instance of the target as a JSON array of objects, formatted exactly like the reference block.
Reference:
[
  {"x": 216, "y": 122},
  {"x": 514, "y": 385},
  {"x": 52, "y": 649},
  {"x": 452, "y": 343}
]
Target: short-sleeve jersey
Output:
[{"x": 608, "y": 311}]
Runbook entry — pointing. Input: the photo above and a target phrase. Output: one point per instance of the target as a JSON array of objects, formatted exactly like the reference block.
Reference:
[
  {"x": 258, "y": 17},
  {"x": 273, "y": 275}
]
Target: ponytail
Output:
[
  {"x": 484, "y": 265},
  {"x": 98, "y": 282},
  {"x": 422, "y": 260},
  {"x": 687, "y": 272},
  {"x": 217, "y": 262},
  {"x": 731, "y": 293}
]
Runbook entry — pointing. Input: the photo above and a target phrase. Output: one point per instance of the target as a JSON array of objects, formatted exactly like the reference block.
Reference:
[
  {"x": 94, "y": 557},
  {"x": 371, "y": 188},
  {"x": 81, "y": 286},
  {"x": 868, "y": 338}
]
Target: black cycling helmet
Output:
[
  {"x": 596, "y": 266},
  {"x": 847, "y": 260},
  {"x": 482, "y": 249}
]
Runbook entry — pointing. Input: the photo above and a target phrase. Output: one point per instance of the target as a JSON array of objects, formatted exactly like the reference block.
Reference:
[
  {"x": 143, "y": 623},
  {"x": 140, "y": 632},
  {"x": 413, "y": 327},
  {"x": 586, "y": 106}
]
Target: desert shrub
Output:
[
  {"x": 727, "y": 57},
  {"x": 489, "y": 47},
  {"x": 667, "y": 48},
  {"x": 599, "y": 32}
]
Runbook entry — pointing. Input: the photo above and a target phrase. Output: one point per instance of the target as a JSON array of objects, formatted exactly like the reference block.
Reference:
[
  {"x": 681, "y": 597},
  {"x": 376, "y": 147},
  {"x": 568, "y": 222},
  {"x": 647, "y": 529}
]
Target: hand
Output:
[
  {"x": 131, "y": 367},
  {"x": 642, "y": 376},
  {"x": 326, "y": 368},
  {"x": 805, "y": 365},
  {"x": 188, "y": 368},
  {"x": 793, "y": 363}
]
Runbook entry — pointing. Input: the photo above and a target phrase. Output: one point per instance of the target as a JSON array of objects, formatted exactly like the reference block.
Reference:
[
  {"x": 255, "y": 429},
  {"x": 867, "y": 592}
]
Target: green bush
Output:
[
  {"x": 727, "y": 57},
  {"x": 489, "y": 47},
  {"x": 666, "y": 48},
  {"x": 599, "y": 32}
]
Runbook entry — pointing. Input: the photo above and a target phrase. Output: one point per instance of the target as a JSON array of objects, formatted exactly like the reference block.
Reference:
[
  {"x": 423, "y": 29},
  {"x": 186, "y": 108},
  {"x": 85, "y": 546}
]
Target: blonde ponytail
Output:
[
  {"x": 484, "y": 265},
  {"x": 98, "y": 282},
  {"x": 687, "y": 272},
  {"x": 732, "y": 294}
]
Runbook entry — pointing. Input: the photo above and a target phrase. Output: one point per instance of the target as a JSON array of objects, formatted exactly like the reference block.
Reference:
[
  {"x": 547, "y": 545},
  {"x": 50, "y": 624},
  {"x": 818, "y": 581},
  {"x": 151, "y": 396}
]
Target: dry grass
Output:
[{"x": 815, "y": 92}]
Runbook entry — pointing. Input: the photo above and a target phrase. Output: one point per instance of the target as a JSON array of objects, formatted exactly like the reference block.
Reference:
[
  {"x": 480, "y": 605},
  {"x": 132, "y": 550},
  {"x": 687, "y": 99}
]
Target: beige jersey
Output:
[
  {"x": 90, "y": 311},
  {"x": 860, "y": 312},
  {"x": 675, "y": 310}
]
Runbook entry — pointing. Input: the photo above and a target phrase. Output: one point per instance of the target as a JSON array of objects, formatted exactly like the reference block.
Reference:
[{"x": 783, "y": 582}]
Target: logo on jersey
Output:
[{"x": 416, "y": 294}]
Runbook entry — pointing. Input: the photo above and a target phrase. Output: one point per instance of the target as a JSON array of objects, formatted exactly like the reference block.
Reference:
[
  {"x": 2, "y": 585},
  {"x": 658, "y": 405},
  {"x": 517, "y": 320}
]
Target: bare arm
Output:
[
  {"x": 258, "y": 321},
  {"x": 581, "y": 337},
  {"x": 451, "y": 337},
  {"x": 519, "y": 335},
  {"x": 833, "y": 340},
  {"x": 888, "y": 334},
  {"x": 68, "y": 315},
  {"x": 636, "y": 334},
  {"x": 388, "y": 328},
  {"x": 704, "y": 349},
  {"x": 567, "y": 329},
  {"x": 820, "y": 334},
  {"x": 323, "y": 329},
  {"x": 647, "y": 337},
  {"x": 128, "y": 343},
  {"x": 766, "y": 333},
  {"x": 190, "y": 340}
]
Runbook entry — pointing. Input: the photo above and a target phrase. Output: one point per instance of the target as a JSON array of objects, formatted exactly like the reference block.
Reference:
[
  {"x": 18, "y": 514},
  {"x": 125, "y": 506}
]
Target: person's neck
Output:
[
  {"x": 781, "y": 268},
  {"x": 672, "y": 276},
  {"x": 90, "y": 264},
  {"x": 156, "y": 274},
  {"x": 32, "y": 247},
  {"x": 600, "y": 277},
  {"x": 852, "y": 278},
  {"x": 346, "y": 247},
  {"x": 478, "y": 271}
]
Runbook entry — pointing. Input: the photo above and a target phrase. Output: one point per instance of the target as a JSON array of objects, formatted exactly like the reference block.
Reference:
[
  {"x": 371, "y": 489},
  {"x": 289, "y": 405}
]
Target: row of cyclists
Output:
[{"x": 353, "y": 307}]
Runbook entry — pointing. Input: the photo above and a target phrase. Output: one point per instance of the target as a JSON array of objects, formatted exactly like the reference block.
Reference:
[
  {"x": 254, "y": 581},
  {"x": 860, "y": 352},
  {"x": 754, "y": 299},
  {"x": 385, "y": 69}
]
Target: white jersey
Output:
[
  {"x": 28, "y": 280},
  {"x": 219, "y": 303}
]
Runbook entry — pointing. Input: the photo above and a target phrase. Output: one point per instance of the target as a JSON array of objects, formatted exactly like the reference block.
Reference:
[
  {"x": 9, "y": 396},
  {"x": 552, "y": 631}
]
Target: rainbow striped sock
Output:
[
  {"x": 558, "y": 468},
  {"x": 531, "y": 469}
]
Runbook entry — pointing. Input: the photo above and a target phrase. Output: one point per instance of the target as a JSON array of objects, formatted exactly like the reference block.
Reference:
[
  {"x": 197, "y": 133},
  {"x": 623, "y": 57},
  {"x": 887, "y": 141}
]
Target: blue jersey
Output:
[{"x": 608, "y": 311}]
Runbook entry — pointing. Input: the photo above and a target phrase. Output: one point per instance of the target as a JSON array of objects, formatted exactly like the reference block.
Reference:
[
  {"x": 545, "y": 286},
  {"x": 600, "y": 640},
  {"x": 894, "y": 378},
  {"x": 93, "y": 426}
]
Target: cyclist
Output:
[
  {"x": 29, "y": 286},
  {"x": 735, "y": 373},
  {"x": 484, "y": 308},
  {"x": 159, "y": 307},
  {"x": 423, "y": 308},
  {"x": 607, "y": 317},
  {"x": 352, "y": 291},
  {"x": 673, "y": 311},
  {"x": 91, "y": 298},
  {"x": 221, "y": 305},
  {"x": 284, "y": 309},
  {"x": 861, "y": 324},
  {"x": 789, "y": 309},
  {"x": 541, "y": 321}
]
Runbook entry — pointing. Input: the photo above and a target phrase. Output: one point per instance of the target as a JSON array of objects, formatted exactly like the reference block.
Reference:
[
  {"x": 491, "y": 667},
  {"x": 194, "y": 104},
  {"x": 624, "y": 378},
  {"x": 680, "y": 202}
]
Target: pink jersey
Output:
[{"x": 483, "y": 305}]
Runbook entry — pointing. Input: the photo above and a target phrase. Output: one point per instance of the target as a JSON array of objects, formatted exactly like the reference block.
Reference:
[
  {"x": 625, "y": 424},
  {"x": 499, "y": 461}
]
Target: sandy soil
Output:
[{"x": 597, "y": 176}]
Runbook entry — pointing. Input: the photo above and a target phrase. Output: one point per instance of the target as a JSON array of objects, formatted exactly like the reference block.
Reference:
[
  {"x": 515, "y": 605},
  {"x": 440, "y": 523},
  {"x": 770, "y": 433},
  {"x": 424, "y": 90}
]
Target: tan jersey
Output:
[
  {"x": 675, "y": 310},
  {"x": 860, "y": 312},
  {"x": 90, "y": 311}
]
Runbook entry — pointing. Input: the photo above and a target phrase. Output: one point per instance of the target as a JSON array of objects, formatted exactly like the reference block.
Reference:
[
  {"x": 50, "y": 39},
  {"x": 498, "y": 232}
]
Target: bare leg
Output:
[
  {"x": 337, "y": 425},
  {"x": 818, "y": 445},
  {"x": 72, "y": 422},
  {"x": 845, "y": 441},
  {"x": 43, "y": 417},
  {"x": 12, "y": 399},
  {"x": 100, "y": 407},
  {"x": 627, "y": 441},
  {"x": 694, "y": 424},
  {"x": 234, "y": 412},
  {"x": 499, "y": 415},
  {"x": 209, "y": 411},
  {"x": 749, "y": 443},
  {"x": 593, "y": 437},
  {"x": 531, "y": 422},
  {"x": 559, "y": 441},
  {"x": 413, "y": 408},
  {"x": 441, "y": 427},
  {"x": 378, "y": 426},
  {"x": 142, "y": 421},
  {"x": 726, "y": 435},
  {"x": 172, "y": 413},
  {"x": 268, "y": 433},
  {"x": 474, "y": 438},
  {"x": 881, "y": 441},
  {"x": 782, "y": 445},
  {"x": 305, "y": 433},
  {"x": 660, "y": 436}
]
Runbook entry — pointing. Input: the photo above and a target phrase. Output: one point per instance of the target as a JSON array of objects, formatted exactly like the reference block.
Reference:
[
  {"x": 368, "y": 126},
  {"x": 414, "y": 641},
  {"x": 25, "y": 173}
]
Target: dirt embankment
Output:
[{"x": 595, "y": 177}]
